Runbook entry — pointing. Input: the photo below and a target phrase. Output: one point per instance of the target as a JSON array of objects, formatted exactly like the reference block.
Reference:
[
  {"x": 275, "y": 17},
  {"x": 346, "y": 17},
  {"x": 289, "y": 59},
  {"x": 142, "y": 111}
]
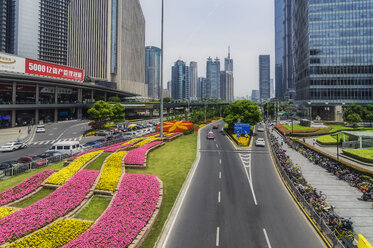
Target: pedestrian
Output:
[
  {"x": 304, "y": 140},
  {"x": 282, "y": 142},
  {"x": 314, "y": 142}
]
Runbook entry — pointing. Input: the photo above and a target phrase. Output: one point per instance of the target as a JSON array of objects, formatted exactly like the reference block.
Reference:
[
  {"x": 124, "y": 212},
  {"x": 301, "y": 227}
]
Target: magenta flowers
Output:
[
  {"x": 137, "y": 156},
  {"x": 131, "y": 209},
  {"x": 24, "y": 188},
  {"x": 57, "y": 204}
]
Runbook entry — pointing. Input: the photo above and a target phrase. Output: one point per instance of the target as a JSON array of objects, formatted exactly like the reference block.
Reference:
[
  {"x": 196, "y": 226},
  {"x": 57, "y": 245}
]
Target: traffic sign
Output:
[{"x": 241, "y": 128}]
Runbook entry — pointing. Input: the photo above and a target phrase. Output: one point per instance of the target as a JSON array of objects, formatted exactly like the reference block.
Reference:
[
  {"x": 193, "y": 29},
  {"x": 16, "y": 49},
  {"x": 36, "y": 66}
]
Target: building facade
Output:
[
  {"x": 264, "y": 77},
  {"x": 202, "y": 88},
  {"x": 255, "y": 95},
  {"x": 180, "y": 78},
  {"x": 193, "y": 79},
  {"x": 153, "y": 71},
  {"x": 107, "y": 39},
  {"x": 333, "y": 54},
  {"x": 228, "y": 62},
  {"x": 7, "y": 26},
  {"x": 213, "y": 78},
  {"x": 227, "y": 86},
  {"x": 279, "y": 48}
]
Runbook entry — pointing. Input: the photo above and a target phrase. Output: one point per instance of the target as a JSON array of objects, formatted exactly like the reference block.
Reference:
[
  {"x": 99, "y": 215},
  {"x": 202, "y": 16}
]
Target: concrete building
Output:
[
  {"x": 107, "y": 39},
  {"x": 213, "y": 78},
  {"x": 193, "y": 78},
  {"x": 153, "y": 71},
  {"x": 264, "y": 77},
  {"x": 35, "y": 29},
  {"x": 333, "y": 55}
]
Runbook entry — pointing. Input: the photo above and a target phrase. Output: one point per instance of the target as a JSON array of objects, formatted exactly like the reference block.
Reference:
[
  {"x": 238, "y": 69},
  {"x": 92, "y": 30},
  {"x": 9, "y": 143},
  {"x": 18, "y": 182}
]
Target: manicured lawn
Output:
[
  {"x": 299, "y": 127},
  {"x": 94, "y": 209},
  {"x": 337, "y": 128},
  {"x": 10, "y": 182},
  {"x": 365, "y": 155},
  {"x": 97, "y": 164},
  {"x": 171, "y": 163},
  {"x": 38, "y": 196}
]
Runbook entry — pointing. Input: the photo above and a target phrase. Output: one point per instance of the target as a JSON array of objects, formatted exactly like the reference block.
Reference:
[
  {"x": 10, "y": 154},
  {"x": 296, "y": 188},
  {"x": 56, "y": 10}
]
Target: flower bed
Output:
[
  {"x": 129, "y": 212},
  {"x": 364, "y": 155},
  {"x": 63, "y": 175},
  {"x": 6, "y": 211},
  {"x": 56, "y": 235},
  {"x": 137, "y": 156},
  {"x": 146, "y": 141},
  {"x": 176, "y": 126},
  {"x": 112, "y": 172},
  {"x": 42, "y": 212},
  {"x": 113, "y": 148},
  {"x": 25, "y": 187},
  {"x": 242, "y": 139}
]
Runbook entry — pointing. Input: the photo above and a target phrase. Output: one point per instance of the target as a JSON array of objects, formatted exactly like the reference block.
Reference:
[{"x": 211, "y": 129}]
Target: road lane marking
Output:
[
  {"x": 267, "y": 239},
  {"x": 217, "y": 236},
  {"x": 219, "y": 174},
  {"x": 219, "y": 197},
  {"x": 217, "y": 146},
  {"x": 219, "y": 161},
  {"x": 246, "y": 163}
]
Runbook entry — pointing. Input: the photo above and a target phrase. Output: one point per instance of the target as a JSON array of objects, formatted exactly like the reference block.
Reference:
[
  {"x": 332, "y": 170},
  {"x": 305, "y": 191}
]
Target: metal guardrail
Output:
[{"x": 318, "y": 220}]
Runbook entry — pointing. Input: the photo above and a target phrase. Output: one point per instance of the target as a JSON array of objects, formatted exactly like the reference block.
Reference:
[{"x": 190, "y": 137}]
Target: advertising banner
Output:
[
  {"x": 12, "y": 63},
  {"x": 41, "y": 68}
]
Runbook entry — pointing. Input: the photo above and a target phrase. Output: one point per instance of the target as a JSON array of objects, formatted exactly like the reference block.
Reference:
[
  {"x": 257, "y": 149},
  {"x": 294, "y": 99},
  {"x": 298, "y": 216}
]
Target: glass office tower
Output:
[
  {"x": 279, "y": 47},
  {"x": 333, "y": 49},
  {"x": 153, "y": 70}
]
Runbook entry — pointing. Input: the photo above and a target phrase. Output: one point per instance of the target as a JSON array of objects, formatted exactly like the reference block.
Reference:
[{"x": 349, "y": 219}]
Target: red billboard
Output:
[{"x": 36, "y": 67}]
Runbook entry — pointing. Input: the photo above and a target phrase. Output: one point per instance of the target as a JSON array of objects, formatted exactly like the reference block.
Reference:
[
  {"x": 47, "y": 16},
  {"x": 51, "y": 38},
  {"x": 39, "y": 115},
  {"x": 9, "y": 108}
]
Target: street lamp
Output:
[
  {"x": 310, "y": 111},
  {"x": 337, "y": 147},
  {"x": 161, "y": 91},
  {"x": 327, "y": 109},
  {"x": 343, "y": 108}
]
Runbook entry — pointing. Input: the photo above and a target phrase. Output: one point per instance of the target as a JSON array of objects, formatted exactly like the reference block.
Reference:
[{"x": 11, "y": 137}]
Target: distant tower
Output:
[{"x": 228, "y": 63}]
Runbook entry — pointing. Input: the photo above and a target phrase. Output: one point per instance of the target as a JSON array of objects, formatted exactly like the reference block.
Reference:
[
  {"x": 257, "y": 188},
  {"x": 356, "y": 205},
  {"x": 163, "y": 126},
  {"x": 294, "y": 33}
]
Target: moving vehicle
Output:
[
  {"x": 215, "y": 126},
  {"x": 12, "y": 146},
  {"x": 40, "y": 129},
  {"x": 260, "y": 142},
  {"x": 102, "y": 133},
  {"x": 66, "y": 147},
  {"x": 210, "y": 135},
  {"x": 260, "y": 129}
]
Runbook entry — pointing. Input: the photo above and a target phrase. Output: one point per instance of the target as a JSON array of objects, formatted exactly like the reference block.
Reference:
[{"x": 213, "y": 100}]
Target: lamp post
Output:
[
  {"x": 337, "y": 147},
  {"x": 343, "y": 108},
  {"x": 161, "y": 91},
  {"x": 310, "y": 110},
  {"x": 327, "y": 109}
]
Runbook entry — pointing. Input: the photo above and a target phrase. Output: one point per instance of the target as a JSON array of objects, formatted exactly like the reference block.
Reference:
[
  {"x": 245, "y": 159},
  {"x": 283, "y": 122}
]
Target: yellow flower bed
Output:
[
  {"x": 133, "y": 141},
  {"x": 63, "y": 175},
  {"x": 202, "y": 125},
  {"x": 112, "y": 172},
  {"x": 243, "y": 140},
  {"x": 6, "y": 211},
  {"x": 57, "y": 235},
  {"x": 146, "y": 141}
]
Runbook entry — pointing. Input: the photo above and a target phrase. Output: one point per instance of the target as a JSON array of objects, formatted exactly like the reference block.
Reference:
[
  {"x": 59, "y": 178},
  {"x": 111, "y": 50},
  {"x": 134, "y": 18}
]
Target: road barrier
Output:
[{"x": 363, "y": 243}]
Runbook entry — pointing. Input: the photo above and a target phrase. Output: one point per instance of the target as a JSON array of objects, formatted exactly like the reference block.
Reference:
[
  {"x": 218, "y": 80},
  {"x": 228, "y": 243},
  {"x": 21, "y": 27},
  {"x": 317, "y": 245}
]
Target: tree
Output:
[
  {"x": 101, "y": 112},
  {"x": 167, "y": 99},
  {"x": 355, "y": 109},
  {"x": 245, "y": 110},
  {"x": 369, "y": 117},
  {"x": 114, "y": 99},
  {"x": 354, "y": 118},
  {"x": 118, "y": 113}
]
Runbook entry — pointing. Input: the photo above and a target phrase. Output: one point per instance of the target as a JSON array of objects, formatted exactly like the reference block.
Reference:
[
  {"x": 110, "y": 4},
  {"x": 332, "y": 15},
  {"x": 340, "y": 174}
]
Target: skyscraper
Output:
[
  {"x": 107, "y": 39},
  {"x": 264, "y": 77},
  {"x": 213, "y": 78},
  {"x": 255, "y": 95},
  {"x": 227, "y": 79},
  {"x": 272, "y": 85},
  {"x": 153, "y": 70},
  {"x": 333, "y": 55},
  {"x": 288, "y": 62},
  {"x": 228, "y": 62},
  {"x": 180, "y": 77},
  {"x": 35, "y": 29},
  {"x": 201, "y": 88},
  {"x": 193, "y": 78},
  {"x": 279, "y": 48}
]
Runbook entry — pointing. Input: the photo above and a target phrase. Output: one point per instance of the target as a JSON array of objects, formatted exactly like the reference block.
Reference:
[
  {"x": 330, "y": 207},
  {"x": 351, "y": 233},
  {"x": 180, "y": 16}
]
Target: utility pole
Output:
[{"x": 161, "y": 91}]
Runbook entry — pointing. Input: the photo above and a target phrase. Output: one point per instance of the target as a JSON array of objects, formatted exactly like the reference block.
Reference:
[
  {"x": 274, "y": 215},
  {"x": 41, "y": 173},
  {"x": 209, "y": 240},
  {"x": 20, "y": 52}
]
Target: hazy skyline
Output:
[{"x": 195, "y": 30}]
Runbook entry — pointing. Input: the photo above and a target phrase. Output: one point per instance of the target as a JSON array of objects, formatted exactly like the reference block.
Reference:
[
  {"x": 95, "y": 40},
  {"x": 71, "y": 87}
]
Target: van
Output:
[{"x": 66, "y": 147}]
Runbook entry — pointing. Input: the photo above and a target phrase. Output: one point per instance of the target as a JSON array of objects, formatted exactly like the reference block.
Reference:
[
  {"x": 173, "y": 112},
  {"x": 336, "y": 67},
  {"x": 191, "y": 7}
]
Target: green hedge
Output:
[
  {"x": 327, "y": 140},
  {"x": 364, "y": 155}
]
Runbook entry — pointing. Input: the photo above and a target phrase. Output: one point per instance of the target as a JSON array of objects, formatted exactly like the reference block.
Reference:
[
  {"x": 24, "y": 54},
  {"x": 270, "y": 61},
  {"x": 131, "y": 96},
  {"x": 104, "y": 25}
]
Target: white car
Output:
[
  {"x": 40, "y": 129},
  {"x": 260, "y": 142},
  {"x": 12, "y": 146},
  {"x": 260, "y": 129}
]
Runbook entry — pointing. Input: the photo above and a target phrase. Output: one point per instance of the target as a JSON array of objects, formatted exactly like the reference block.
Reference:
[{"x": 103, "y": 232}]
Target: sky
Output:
[{"x": 197, "y": 29}]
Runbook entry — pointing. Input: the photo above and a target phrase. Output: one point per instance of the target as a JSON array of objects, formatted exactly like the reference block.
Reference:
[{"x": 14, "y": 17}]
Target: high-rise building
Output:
[
  {"x": 333, "y": 55},
  {"x": 255, "y": 95},
  {"x": 279, "y": 48},
  {"x": 35, "y": 29},
  {"x": 107, "y": 39},
  {"x": 201, "y": 88},
  {"x": 193, "y": 78},
  {"x": 180, "y": 77},
  {"x": 213, "y": 78},
  {"x": 228, "y": 62},
  {"x": 153, "y": 70},
  {"x": 169, "y": 87},
  {"x": 264, "y": 77},
  {"x": 288, "y": 62},
  {"x": 226, "y": 86},
  {"x": 272, "y": 85}
]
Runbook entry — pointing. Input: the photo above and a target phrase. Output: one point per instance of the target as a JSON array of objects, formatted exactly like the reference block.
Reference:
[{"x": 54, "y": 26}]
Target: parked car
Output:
[
  {"x": 92, "y": 144},
  {"x": 26, "y": 159},
  {"x": 9, "y": 164},
  {"x": 50, "y": 154},
  {"x": 210, "y": 135},
  {"x": 40, "y": 129},
  {"x": 38, "y": 162},
  {"x": 102, "y": 133},
  {"x": 12, "y": 146},
  {"x": 215, "y": 126},
  {"x": 66, "y": 147},
  {"x": 260, "y": 142}
]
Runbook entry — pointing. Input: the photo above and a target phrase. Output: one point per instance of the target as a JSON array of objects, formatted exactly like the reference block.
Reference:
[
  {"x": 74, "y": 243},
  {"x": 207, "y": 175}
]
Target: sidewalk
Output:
[
  {"x": 339, "y": 193},
  {"x": 333, "y": 152},
  {"x": 12, "y": 134}
]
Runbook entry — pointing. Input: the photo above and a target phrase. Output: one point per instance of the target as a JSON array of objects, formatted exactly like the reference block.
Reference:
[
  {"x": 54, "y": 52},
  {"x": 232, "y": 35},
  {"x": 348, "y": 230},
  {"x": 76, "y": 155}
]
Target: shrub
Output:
[{"x": 327, "y": 140}]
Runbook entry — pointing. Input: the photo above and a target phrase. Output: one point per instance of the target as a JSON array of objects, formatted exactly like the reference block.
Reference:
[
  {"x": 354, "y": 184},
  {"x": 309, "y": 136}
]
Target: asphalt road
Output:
[{"x": 236, "y": 199}]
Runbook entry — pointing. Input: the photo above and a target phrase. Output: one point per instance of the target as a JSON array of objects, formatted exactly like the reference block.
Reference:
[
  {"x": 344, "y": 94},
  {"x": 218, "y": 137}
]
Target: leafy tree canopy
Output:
[
  {"x": 118, "y": 113},
  {"x": 245, "y": 110}
]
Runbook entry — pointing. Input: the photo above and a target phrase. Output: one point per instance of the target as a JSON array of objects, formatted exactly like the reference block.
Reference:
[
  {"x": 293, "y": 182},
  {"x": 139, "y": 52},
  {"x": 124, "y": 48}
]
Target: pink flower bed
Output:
[
  {"x": 115, "y": 147},
  {"x": 132, "y": 207},
  {"x": 42, "y": 212},
  {"x": 24, "y": 188},
  {"x": 137, "y": 156}
]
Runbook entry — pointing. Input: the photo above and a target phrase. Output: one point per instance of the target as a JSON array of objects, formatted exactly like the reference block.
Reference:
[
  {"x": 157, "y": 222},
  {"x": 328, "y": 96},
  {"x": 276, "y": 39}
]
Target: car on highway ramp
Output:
[
  {"x": 260, "y": 142},
  {"x": 40, "y": 129},
  {"x": 210, "y": 135},
  {"x": 12, "y": 146},
  {"x": 215, "y": 126}
]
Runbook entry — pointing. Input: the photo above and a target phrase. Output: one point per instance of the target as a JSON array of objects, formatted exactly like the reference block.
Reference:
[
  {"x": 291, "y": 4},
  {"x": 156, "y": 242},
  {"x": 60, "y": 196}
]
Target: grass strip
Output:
[
  {"x": 12, "y": 181},
  {"x": 171, "y": 163},
  {"x": 38, "y": 196},
  {"x": 94, "y": 209},
  {"x": 97, "y": 164}
]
